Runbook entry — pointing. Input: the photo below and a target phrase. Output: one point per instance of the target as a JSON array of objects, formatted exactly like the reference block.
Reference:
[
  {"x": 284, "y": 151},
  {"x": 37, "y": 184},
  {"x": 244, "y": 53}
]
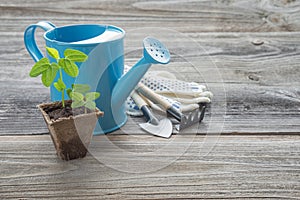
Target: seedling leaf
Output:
[
  {"x": 56, "y": 85},
  {"x": 75, "y": 55},
  {"x": 39, "y": 67},
  {"x": 52, "y": 52},
  {"x": 76, "y": 96},
  {"x": 61, "y": 84},
  {"x": 49, "y": 72},
  {"x": 90, "y": 104},
  {"x": 92, "y": 96},
  {"x": 49, "y": 75},
  {"x": 69, "y": 92},
  {"x": 69, "y": 67},
  {"x": 77, "y": 104},
  {"x": 81, "y": 88}
]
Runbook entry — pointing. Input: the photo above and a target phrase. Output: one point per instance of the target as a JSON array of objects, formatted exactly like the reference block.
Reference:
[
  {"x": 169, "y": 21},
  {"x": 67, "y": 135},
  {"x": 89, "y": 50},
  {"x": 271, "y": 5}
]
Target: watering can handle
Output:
[{"x": 29, "y": 39}]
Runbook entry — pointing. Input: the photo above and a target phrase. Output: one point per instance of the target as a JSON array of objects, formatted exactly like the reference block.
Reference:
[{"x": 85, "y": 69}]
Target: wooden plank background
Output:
[
  {"x": 239, "y": 167},
  {"x": 259, "y": 83},
  {"x": 254, "y": 46}
]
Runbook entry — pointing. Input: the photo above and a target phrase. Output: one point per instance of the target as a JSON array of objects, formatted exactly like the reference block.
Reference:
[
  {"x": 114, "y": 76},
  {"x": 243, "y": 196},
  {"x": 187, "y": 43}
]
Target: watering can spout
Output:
[
  {"x": 128, "y": 81},
  {"x": 154, "y": 53}
]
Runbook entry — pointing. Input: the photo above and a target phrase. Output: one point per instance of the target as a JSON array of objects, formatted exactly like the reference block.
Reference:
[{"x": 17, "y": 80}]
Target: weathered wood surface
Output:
[
  {"x": 238, "y": 167},
  {"x": 184, "y": 15},
  {"x": 256, "y": 88},
  {"x": 261, "y": 83},
  {"x": 257, "y": 85}
]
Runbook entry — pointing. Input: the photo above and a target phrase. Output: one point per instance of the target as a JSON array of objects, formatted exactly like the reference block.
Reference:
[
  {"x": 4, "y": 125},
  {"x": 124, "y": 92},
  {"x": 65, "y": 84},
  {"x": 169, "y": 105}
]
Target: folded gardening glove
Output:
[{"x": 183, "y": 95}]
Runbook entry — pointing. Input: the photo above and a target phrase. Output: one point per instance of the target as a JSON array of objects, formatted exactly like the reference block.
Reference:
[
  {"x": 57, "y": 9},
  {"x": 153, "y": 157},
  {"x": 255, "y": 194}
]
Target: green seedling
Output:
[
  {"x": 79, "y": 93},
  {"x": 81, "y": 96}
]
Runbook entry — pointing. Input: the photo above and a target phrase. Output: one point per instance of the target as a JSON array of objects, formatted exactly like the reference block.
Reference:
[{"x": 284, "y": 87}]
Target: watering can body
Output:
[{"x": 103, "y": 70}]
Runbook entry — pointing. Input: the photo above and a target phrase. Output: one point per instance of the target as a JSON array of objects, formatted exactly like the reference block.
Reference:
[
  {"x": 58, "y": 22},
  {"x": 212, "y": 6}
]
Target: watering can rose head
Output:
[{"x": 79, "y": 93}]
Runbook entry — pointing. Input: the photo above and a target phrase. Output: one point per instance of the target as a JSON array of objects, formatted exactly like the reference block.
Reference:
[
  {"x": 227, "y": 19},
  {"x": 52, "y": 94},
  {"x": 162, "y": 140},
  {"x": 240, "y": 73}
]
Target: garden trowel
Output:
[
  {"x": 162, "y": 128},
  {"x": 184, "y": 119}
]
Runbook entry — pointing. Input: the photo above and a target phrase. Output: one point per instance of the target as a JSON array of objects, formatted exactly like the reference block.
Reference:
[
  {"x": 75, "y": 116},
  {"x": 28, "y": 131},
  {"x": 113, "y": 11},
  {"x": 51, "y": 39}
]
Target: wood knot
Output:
[
  {"x": 247, "y": 107},
  {"x": 253, "y": 77},
  {"x": 257, "y": 42}
]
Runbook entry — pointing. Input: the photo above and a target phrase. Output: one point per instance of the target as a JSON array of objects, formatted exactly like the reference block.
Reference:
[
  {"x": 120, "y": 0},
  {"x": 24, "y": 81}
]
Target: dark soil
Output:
[
  {"x": 72, "y": 149},
  {"x": 57, "y": 111}
]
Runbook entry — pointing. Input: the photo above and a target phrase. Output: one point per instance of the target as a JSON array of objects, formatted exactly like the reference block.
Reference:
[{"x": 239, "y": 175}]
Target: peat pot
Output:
[{"x": 71, "y": 135}]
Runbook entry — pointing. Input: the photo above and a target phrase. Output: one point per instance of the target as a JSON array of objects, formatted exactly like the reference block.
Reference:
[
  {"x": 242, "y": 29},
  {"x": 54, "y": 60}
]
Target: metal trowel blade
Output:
[{"x": 163, "y": 129}]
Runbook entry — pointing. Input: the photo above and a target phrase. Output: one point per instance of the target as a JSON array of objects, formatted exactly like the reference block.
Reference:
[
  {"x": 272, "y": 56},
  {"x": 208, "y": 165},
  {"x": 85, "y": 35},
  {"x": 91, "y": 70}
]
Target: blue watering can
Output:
[{"x": 103, "y": 70}]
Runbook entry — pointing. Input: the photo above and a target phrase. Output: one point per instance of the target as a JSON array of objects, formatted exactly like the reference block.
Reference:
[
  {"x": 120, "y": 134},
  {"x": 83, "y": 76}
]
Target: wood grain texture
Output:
[
  {"x": 237, "y": 167},
  {"x": 184, "y": 16},
  {"x": 256, "y": 88},
  {"x": 246, "y": 52}
]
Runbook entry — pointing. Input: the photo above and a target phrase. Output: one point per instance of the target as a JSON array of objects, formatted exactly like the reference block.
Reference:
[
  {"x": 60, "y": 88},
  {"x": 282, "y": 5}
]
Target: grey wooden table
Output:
[{"x": 248, "y": 147}]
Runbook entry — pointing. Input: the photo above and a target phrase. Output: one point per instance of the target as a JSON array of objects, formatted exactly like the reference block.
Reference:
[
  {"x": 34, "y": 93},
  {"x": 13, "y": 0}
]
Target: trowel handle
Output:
[
  {"x": 143, "y": 106},
  {"x": 155, "y": 98},
  {"x": 152, "y": 96},
  {"x": 139, "y": 101}
]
